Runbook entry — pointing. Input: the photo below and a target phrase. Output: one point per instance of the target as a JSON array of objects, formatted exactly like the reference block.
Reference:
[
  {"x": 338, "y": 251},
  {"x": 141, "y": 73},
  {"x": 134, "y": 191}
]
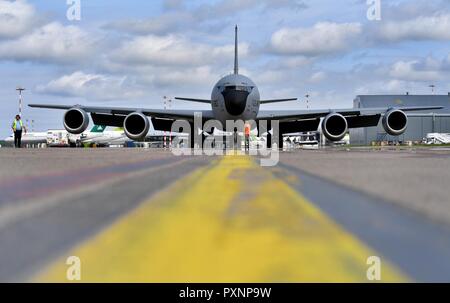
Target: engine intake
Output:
[
  {"x": 136, "y": 126},
  {"x": 76, "y": 121},
  {"x": 395, "y": 122},
  {"x": 334, "y": 127}
]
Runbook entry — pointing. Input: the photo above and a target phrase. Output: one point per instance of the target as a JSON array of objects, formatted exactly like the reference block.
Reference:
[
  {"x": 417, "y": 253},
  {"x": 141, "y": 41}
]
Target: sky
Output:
[{"x": 132, "y": 53}]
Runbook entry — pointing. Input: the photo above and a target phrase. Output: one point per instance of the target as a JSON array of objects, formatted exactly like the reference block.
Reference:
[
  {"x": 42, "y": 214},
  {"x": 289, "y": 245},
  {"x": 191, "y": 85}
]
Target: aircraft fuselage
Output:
[{"x": 235, "y": 97}]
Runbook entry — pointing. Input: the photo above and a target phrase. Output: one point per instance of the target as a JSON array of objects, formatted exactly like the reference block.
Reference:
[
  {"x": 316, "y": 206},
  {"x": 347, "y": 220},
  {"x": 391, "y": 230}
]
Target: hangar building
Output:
[{"x": 419, "y": 123}]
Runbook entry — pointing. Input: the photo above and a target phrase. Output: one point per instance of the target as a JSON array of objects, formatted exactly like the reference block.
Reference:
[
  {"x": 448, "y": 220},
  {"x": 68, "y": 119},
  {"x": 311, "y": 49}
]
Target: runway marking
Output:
[
  {"x": 31, "y": 187},
  {"x": 231, "y": 222},
  {"x": 22, "y": 209}
]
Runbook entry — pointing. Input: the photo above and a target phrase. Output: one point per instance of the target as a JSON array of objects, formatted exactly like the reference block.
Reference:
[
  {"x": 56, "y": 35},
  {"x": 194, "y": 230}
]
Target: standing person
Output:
[
  {"x": 18, "y": 128},
  {"x": 235, "y": 138},
  {"x": 247, "y": 130}
]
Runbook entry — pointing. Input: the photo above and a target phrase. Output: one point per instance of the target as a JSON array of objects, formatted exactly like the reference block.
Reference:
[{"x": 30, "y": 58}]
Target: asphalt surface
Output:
[
  {"x": 59, "y": 202},
  {"x": 56, "y": 198},
  {"x": 417, "y": 179}
]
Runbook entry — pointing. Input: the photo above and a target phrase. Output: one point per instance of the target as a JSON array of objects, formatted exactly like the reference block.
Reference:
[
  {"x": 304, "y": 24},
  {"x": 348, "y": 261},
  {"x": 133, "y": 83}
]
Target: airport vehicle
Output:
[
  {"x": 437, "y": 138},
  {"x": 236, "y": 97},
  {"x": 29, "y": 138},
  {"x": 302, "y": 140},
  {"x": 58, "y": 138}
]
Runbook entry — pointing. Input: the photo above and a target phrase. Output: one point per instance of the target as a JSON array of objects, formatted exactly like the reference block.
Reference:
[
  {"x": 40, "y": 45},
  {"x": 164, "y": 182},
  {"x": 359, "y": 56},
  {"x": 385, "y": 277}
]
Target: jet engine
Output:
[
  {"x": 136, "y": 126},
  {"x": 76, "y": 121},
  {"x": 395, "y": 122},
  {"x": 334, "y": 127}
]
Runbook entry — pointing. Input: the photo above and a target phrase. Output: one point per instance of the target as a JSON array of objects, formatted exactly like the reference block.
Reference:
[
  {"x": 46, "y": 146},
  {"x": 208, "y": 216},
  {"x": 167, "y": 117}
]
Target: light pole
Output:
[
  {"x": 432, "y": 86},
  {"x": 165, "y": 137},
  {"x": 20, "y": 90},
  {"x": 170, "y": 137},
  {"x": 307, "y": 100}
]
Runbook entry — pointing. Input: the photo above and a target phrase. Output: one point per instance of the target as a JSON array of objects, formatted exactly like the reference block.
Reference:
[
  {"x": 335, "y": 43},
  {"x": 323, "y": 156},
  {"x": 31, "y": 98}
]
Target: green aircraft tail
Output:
[{"x": 98, "y": 129}]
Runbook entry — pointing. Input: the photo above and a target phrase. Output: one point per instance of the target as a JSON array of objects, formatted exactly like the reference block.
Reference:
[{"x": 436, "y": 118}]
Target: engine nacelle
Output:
[
  {"x": 334, "y": 127},
  {"x": 136, "y": 126},
  {"x": 76, "y": 121},
  {"x": 395, "y": 122}
]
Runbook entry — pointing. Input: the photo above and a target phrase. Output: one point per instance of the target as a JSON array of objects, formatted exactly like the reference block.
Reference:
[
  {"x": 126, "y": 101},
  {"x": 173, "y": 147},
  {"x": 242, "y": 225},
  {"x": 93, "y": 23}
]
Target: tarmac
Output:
[{"x": 146, "y": 215}]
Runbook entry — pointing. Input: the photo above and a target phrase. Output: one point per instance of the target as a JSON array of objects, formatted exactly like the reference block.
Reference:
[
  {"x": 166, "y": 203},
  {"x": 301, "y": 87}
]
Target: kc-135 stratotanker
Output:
[{"x": 236, "y": 97}]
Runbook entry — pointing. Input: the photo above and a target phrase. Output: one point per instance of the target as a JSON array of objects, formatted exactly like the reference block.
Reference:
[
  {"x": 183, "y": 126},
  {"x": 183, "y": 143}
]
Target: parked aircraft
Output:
[{"x": 236, "y": 97}]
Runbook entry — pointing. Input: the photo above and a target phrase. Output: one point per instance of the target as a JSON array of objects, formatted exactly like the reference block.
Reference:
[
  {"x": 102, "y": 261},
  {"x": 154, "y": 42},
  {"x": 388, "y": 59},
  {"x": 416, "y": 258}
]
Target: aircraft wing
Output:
[
  {"x": 286, "y": 115},
  {"x": 122, "y": 111},
  {"x": 292, "y": 115}
]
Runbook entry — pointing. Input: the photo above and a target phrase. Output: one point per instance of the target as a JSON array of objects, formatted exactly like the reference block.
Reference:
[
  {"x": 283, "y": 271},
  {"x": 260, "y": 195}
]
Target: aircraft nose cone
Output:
[{"x": 235, "y": 101}]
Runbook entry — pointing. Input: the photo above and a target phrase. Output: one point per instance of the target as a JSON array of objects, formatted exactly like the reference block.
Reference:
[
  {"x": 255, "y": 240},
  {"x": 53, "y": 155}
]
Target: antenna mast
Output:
[{"x": 20, "y": 90}]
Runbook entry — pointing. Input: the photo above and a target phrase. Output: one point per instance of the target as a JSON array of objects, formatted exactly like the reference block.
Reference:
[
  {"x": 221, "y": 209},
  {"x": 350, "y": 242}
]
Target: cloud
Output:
[
  {"x": 406, "y": 21},
  {"x": 416, "y": 70},
  {"x": 408, "y": 10},
  {"x": 210, "y": 17},
  {"x": 200, "y": 76},
  {"x": 51, "y": 43},
  {"x": 435, "y": 27},
  {"x": 270, "y": 77},
  {"x": 17, "y": 18},
  {"x": 322, "y": 38},
  {"x": 295, "y": 62},
  {"x": 396, "y": 87},
  {"x": 401, "y": 76},
  {"x": 173, "y": 4},
  {"x": 295, "y": 5},
  {"x": 317, "y": 77},
  {"x": 226, "y": 8},
  {"x": 163, "y": 24},
  {"x": 92, "y": 87},
  {"x": 172, "y": 50}
]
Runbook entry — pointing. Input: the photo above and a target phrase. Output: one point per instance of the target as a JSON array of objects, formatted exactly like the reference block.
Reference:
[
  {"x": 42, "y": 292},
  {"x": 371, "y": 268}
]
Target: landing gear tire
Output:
[
  {"x": 269, "y": 140},
  {"x": 279, "y": 141}
]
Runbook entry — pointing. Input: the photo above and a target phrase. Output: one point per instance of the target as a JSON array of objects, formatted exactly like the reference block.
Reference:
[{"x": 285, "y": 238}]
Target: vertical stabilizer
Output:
[
  {"x": 236, "y": 55},
  {"x": 98, "y": 129}
]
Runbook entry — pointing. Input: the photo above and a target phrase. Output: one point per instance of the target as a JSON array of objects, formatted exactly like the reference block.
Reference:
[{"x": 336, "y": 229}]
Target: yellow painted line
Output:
[{"x": 231, "y": 222}]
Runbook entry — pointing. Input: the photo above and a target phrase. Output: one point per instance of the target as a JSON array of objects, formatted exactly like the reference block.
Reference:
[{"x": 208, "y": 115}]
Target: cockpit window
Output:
[{"x": 238, "y": 88}]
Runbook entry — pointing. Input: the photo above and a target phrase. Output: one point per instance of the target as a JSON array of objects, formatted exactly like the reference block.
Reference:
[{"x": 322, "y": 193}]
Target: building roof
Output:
[{"x": 365, "y": 101}]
